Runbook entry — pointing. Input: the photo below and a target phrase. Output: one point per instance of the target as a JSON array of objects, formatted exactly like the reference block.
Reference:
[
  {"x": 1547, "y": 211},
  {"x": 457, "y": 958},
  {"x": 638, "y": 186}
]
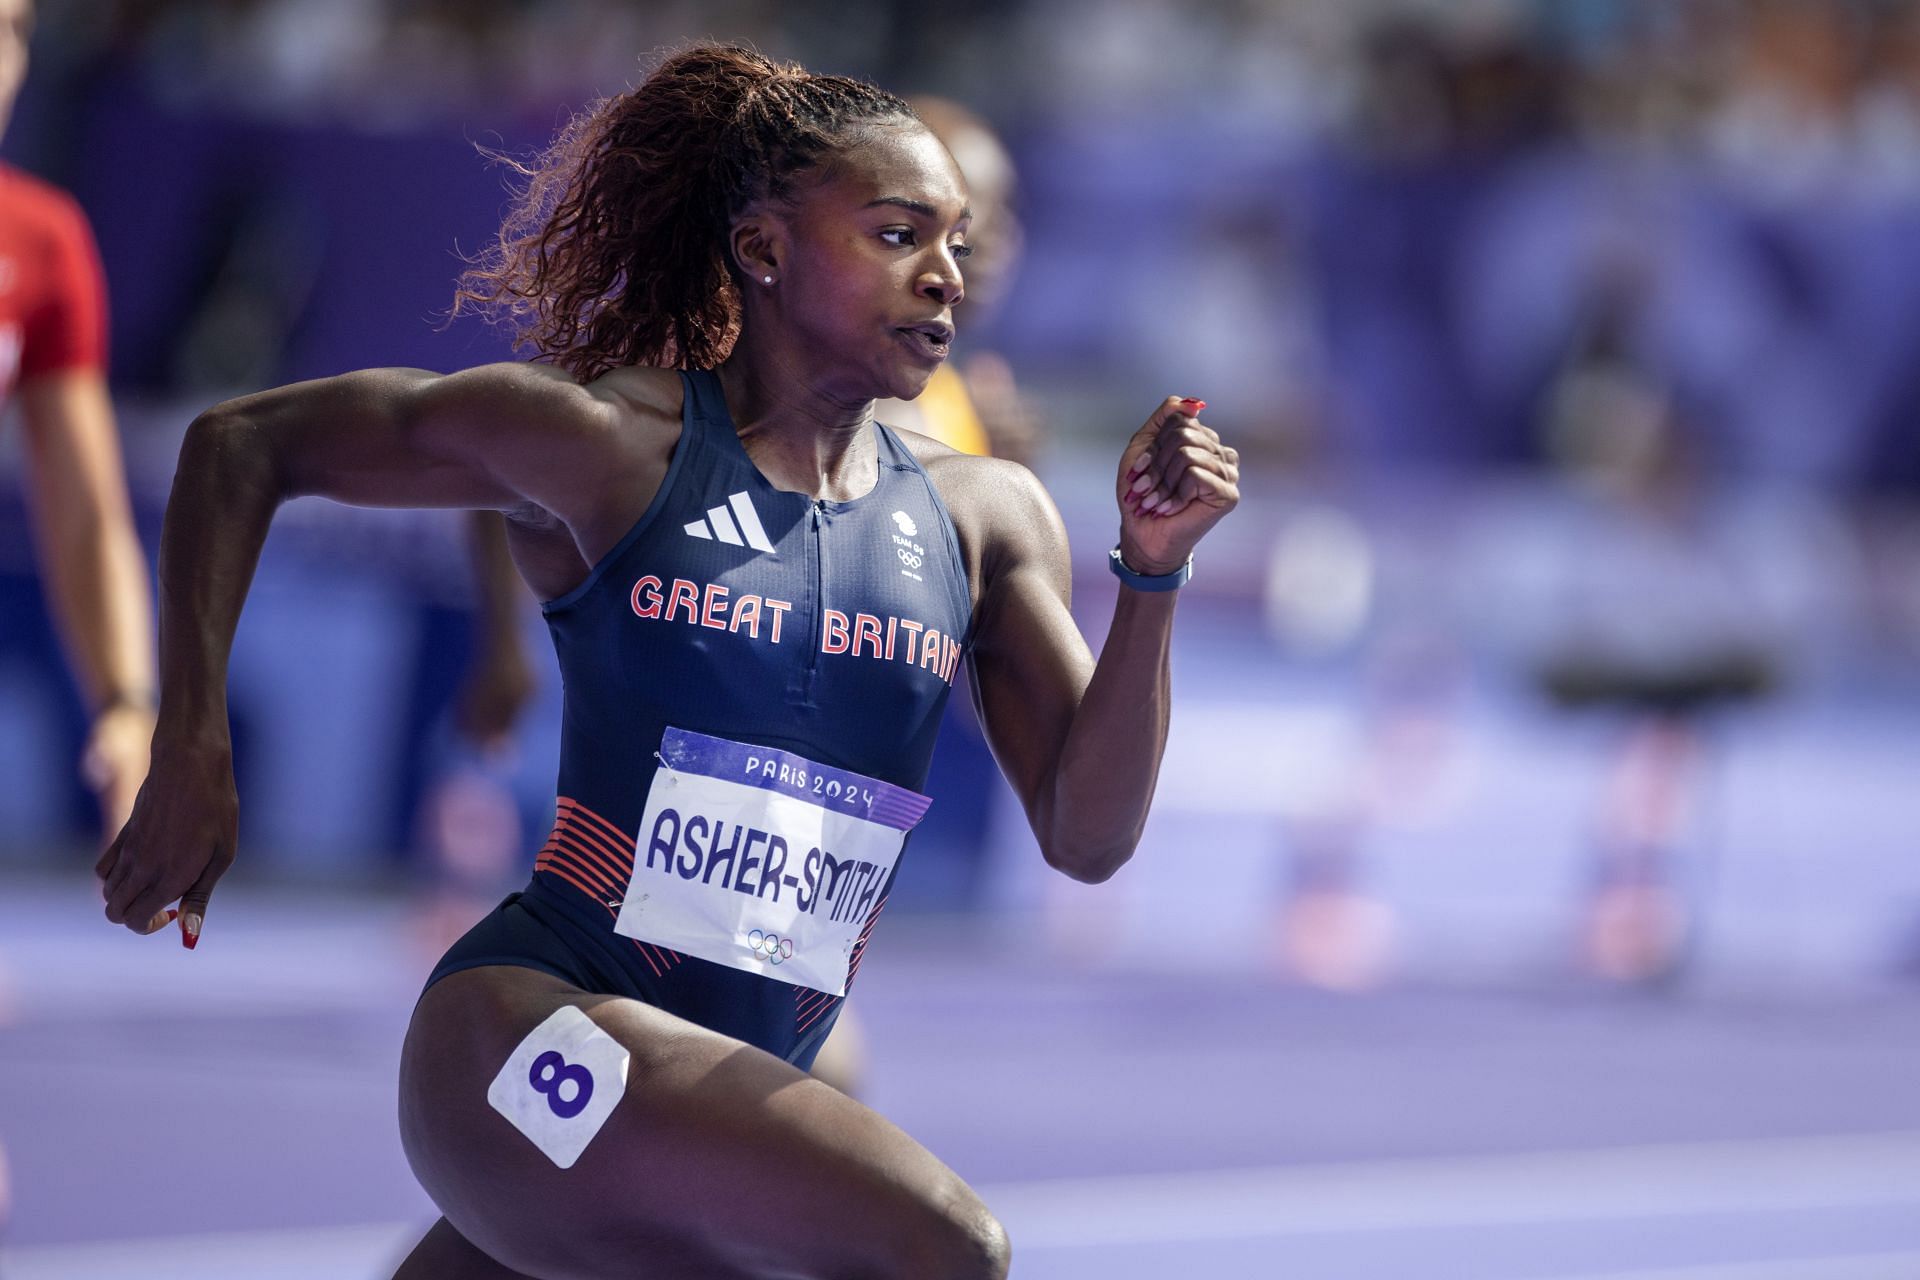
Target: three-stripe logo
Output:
[{"x": 719, "y": 523}]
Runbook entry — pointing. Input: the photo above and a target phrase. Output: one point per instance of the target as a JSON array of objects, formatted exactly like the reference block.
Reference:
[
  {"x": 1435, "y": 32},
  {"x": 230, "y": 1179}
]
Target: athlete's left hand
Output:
[{"x": 1176, "y": 482}]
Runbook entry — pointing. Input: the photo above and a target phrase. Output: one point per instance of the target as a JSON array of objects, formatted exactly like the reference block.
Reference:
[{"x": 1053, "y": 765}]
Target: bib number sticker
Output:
[
  {"x": 561, "y": 1084},
  {"x": 763, "y": 860}
]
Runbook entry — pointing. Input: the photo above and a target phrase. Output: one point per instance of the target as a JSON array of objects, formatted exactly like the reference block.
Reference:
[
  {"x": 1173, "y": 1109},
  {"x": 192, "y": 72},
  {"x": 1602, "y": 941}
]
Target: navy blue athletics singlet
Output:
[{"x": 829, "y": 631}]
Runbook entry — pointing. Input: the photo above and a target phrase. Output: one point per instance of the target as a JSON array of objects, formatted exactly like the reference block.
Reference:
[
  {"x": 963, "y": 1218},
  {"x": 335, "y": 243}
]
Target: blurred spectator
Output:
[
  {"x": 1660, "y": 629},
  {"x": 53, "y": 363},
  {"x": 975, "y": 407}
]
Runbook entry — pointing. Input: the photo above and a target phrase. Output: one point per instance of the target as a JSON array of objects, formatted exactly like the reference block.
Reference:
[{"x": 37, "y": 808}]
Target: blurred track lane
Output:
[
  {"x": 1718, "y": 1211},
  {"x": 1869, "y": 1171},
  {"x": 1127, "y": 1121}
]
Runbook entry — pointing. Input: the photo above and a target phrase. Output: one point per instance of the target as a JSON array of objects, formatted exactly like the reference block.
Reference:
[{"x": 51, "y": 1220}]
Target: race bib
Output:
[{"x": 763, "y": 860}]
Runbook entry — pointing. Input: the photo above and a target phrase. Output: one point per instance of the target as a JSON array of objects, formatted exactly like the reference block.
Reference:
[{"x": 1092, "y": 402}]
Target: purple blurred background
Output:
[{"x": 1565, "y": 652}]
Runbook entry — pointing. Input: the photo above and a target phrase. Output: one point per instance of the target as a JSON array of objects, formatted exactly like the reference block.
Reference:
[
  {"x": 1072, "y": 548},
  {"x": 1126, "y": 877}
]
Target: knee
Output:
[
  {"x": 970, "y": 1243},
  {"x": 988, "y": 1250}
]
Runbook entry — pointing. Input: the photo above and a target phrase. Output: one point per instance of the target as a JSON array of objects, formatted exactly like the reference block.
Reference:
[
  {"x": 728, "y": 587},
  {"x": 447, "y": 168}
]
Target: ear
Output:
[{"x": 759, "y": 245}]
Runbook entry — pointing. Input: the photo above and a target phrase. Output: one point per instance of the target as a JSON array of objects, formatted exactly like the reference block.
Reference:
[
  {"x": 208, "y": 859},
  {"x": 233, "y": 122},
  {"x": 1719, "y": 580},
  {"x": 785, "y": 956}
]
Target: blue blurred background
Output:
[{"x": 1569, "y": 636}]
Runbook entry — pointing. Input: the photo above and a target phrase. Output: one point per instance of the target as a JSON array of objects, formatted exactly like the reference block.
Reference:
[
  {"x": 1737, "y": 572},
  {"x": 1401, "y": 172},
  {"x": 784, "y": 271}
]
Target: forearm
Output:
[
  {"x": 1080, "y": 740},
  {"x": 225, "y": 492},
  {"x": 95, "y": 573},
  {"x": 1108, "y": 765},
  {"x": 96, "y": 578}
]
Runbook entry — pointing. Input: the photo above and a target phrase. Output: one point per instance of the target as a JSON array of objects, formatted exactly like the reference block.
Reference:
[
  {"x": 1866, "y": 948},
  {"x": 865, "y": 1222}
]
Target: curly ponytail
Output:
[{"x": 616, "y": 250}]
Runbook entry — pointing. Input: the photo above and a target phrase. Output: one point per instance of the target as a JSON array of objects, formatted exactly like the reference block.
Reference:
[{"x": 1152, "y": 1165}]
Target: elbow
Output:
[
  {"x": 227, "y": 446},
  {"x": 221, "y": 429},
  {"x": 1084, "y": 847},
  {"x": 1087, "y": 864}
]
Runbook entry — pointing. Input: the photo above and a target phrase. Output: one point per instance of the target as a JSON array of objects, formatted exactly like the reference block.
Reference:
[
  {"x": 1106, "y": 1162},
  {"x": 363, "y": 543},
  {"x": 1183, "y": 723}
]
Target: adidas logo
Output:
[{"x": 749, "y": 532}]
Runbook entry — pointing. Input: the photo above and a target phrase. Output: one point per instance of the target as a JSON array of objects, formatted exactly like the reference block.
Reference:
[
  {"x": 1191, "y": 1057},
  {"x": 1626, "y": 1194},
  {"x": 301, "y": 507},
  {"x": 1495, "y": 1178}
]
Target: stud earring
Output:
[{"x": 766, "y": 279}]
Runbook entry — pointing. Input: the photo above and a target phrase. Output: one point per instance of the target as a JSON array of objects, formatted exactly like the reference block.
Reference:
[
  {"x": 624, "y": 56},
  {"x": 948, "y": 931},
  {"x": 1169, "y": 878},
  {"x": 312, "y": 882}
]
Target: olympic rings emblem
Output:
[
  {"x": 907, "y": 558},
  {"x": 772, "y": 946}
]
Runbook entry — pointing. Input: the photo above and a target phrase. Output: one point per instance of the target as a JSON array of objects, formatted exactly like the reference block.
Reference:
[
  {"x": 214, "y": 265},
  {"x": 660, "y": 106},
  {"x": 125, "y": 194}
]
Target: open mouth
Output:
[{"x": 931, "y": 340}]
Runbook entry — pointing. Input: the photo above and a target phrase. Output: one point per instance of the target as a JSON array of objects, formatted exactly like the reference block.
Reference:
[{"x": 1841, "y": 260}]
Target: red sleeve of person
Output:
[{"x": 52, "y": 292}]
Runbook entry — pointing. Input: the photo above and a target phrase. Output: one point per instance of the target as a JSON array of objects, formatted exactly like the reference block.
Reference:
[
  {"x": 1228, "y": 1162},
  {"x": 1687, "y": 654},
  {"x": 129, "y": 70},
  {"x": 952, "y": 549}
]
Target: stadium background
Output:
[{"x": 1558, "y": 337}]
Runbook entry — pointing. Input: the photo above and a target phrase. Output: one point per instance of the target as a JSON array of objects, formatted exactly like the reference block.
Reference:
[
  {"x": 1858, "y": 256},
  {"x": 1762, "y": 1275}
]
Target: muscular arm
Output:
[
  {"x": 1079, "y": 740},
  {"x": 502, "y": 436},
  {"x": 96, "y": 573},
  {"x": 499, "y": 437}
]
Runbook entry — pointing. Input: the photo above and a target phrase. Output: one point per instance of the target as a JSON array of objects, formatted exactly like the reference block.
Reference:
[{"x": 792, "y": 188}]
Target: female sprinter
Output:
[{"x": 759, "y": 598}]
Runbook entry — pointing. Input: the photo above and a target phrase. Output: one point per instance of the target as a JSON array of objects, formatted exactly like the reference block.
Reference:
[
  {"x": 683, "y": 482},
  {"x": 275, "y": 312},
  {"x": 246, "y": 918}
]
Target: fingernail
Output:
[
  {"x": 173, "y": 913},
  {"x": 1197, "y": 404},
  {"x": 1144, "y": 483},
  {"x": 190, "y": 931}
]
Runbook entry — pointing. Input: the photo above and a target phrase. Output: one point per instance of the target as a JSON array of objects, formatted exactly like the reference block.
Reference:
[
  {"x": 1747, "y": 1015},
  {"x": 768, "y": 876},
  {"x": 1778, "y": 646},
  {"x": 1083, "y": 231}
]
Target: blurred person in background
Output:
[
  {"x": 1657, "y": 625},
  {"x": 466, "y": 829},
  {"x": 808, "y": 276},
  {"x": 53, "y": 340},
  {"x": 53, "y": 355},
  {"x": 975, "y": 407}
]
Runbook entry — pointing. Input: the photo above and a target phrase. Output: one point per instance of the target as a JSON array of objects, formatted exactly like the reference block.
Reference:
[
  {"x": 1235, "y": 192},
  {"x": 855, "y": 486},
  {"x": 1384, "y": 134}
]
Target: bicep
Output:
[
  {"x": 1031, "y": 665},
  {"x": 495, "y": 436}
]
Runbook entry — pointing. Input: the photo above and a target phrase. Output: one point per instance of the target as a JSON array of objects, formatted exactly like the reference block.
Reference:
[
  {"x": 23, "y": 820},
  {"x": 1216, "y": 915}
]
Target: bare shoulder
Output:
[
  {"x": 653, "y": 394},
  {"x": 999, "y": 508},
  {"x": 539, "y": 418},
  {"x": 547, "y": 392},
  {"x": 583, "y": 455}
]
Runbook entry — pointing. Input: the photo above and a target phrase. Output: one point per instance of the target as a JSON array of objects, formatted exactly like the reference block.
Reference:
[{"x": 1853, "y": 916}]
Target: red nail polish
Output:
[
  {"x": 173, "y": 913},
  {"x": 1197, "y": 404}
]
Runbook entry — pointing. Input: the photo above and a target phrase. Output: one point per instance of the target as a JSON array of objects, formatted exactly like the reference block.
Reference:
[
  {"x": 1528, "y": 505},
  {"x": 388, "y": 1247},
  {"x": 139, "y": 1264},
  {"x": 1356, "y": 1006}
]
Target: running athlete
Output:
[{"x": 759, "y": 598}]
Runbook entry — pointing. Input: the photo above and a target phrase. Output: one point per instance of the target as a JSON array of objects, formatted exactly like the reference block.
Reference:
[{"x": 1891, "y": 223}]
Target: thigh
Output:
[
  {"x": 717, "y": 1160},
  {"x": 445, "y": 1254}
]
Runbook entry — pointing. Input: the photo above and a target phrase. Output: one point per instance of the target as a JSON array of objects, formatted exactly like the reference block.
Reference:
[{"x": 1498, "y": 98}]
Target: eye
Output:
[
  {"x": 960, "y": 252},
  {"x": 906, "y": 237}
]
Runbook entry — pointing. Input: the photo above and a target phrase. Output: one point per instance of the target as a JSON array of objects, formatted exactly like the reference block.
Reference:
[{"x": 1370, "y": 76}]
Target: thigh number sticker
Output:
[
  {"x": 551, "y": 1074},
  {"x": 561, "y": 1083}
]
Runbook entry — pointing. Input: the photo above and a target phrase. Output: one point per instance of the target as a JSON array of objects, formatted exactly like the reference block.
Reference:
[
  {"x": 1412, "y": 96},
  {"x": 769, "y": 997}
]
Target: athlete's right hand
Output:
[{"x": 179, "y": 841}]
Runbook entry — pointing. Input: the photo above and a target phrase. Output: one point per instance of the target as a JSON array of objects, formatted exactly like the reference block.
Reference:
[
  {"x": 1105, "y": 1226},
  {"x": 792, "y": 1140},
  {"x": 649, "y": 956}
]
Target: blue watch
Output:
[{"x": 1149, "y": 581}]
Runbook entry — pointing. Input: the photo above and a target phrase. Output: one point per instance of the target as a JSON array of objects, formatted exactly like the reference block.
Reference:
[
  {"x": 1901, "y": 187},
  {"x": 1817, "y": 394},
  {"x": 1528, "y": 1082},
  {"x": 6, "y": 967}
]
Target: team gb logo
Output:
[{"x": 905, "y": 522}]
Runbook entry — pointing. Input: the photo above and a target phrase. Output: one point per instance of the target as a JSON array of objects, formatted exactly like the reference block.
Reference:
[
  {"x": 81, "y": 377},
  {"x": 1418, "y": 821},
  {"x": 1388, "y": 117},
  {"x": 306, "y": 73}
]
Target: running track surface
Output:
[{"x": 229, "y": 1114}]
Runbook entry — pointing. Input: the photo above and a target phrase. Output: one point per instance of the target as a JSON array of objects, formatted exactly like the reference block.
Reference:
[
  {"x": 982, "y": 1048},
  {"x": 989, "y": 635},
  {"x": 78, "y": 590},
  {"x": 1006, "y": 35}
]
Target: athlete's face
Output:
[
  {"x": 874, "y": 263},
  {"x": 16, "y": 25}
]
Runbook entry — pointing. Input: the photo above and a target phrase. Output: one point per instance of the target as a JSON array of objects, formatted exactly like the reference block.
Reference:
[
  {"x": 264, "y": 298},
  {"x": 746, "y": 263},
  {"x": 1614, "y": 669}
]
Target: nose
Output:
[{"x": 942, "y": 281}]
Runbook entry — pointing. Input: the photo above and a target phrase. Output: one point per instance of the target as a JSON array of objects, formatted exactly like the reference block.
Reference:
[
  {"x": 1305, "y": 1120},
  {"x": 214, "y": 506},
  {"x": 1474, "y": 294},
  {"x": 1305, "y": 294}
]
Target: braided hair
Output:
[{"x": 616, "y": 250}]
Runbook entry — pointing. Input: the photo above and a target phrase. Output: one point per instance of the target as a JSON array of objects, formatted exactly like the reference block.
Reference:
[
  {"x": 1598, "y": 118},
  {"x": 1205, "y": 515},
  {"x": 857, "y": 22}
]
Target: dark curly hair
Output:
[{"x": 616, "y": 250}]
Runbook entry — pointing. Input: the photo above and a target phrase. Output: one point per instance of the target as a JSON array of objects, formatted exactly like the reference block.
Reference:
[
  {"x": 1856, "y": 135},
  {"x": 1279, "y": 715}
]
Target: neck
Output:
[{"x": 799, "y": 433}]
